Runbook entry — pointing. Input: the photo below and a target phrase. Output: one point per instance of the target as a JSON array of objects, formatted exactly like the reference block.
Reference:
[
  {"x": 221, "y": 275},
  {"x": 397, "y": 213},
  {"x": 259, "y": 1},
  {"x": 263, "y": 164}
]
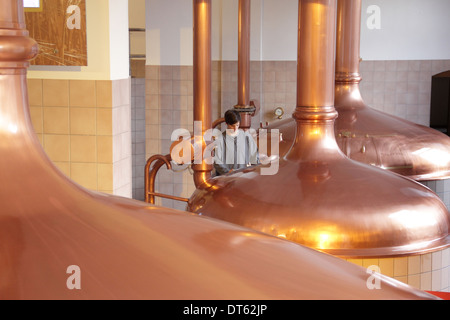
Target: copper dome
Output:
[
  {"x": 368, "y": 135},
  {"x": 319, "y": 197}
]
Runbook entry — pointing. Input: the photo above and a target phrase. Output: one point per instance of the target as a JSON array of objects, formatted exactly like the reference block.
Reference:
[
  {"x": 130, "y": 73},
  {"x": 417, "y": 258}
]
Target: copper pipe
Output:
[
  {"x": 126, "y": 249},
  {"x": 150, "y": 177},
  {"x": 347, "y": 48},
  {"x": 218, "y": 122},
  {"x": 151, "y": 172},
  {"x": 244, "y": 106},
  {"x": 244, "y": 54},
  {"x": 11, "y": 17},
  {"x": 315, "y": 67},
  {"x": 168, "y": 196},
  {"x": 202, "y": 82},
  {"x": 315, "y": 80}
]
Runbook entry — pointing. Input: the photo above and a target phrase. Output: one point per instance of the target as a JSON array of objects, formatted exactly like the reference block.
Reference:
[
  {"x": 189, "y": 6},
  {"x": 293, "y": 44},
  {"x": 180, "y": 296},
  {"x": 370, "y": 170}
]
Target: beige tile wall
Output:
[
  {"x": 84, "y": 127},
  {"x": 430, "y": 271}
]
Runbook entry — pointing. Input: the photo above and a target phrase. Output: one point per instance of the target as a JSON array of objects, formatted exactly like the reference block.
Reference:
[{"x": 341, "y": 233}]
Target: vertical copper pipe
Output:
[
  {"x": 16, "y": 49},
  {"x": 347, "y": 44},
  {"x": 11, "y": 16},
  {"x": 315, "y": 112},
  {"x": 347, "y": 76},
  {"x": 244, "y": 54},
  {"x": 316, "y": 45},
  {"x": 202, "y": 81},
  {"x": 243, "y": 105}
]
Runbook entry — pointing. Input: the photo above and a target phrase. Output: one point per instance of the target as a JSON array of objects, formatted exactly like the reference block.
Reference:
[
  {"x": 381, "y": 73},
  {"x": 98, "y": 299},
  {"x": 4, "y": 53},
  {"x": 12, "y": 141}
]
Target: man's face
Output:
[{"x": 233, "y": 127}]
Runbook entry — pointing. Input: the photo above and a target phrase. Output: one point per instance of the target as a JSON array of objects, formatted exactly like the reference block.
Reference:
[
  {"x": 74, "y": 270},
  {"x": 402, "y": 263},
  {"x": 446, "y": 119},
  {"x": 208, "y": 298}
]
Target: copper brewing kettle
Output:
[
  {"x": 319, "y": 197},
  {"x": 368, "y": 135}
]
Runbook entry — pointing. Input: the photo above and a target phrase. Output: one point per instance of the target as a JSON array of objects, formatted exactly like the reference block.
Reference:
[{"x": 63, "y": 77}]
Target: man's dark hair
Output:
[{"x": 232, "y": 116}]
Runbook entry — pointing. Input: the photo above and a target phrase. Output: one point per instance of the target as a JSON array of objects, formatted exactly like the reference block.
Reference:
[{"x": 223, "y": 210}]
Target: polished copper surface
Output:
[
  {"x": 365, "y": 134},
  {"x": 244, "y": 53},
  {"x": 202, "y": 84},
  {"x": 126, "y": 249},
  {"x": 374, "y": 137},
  {"x": 244, "y": 106},
  {"x": 319, "y": 197}
]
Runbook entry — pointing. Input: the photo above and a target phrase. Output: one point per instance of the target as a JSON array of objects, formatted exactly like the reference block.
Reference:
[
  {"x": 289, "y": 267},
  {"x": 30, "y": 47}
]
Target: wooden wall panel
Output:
[{"x": 60, "y": 31}]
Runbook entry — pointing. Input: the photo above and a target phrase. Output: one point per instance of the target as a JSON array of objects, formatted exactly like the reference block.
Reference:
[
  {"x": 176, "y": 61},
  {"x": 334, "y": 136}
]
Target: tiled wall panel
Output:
[
  {"x": 430, "y": 271},
  {"x": 84, "y": 127}
]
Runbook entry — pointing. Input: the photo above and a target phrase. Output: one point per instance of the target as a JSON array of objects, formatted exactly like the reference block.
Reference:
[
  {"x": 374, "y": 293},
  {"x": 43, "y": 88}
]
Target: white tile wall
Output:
[{"x": 430, "y": 271}]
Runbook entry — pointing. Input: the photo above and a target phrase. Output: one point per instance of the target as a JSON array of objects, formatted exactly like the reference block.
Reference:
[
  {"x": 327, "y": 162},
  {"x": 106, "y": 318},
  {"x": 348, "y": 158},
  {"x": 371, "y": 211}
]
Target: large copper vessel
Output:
[
  {"x": 365, "y": 134},
  {"x": 52, "y": 230},
  {"x": 319, "y": 197}
]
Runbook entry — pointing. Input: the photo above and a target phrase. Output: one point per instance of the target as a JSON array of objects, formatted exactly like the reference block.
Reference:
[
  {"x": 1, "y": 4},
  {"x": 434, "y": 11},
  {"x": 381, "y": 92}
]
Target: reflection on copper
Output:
[
  {"x": 244, "y": 53},
  {"x": 370, "y": 136},
  {"x": 202, "y": 82},
  {"x": 319, "y": 197},
  {"x": 126, "y": 249},
  {"x": 244, "y": 105}
]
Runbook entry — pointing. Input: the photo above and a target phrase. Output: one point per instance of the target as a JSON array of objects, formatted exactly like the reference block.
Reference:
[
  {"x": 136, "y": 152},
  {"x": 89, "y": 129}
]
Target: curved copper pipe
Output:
[
  {"x": 150, "y": 174},
  {"x": 150, "y": 177},
  {"x": 347, "y": 49},
  {"x": 218, "y": 122}
]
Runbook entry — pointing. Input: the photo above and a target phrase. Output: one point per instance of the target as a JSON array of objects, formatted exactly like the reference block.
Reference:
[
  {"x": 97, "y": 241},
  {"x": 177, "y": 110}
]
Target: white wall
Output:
[
  {"x": 279, "y": 29},
  {"x": 169, "y": 30},
  {"x": 169, "y": 34},
  {"x": 119, "y": 39},
  {"x": 409, "y": 30}
]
